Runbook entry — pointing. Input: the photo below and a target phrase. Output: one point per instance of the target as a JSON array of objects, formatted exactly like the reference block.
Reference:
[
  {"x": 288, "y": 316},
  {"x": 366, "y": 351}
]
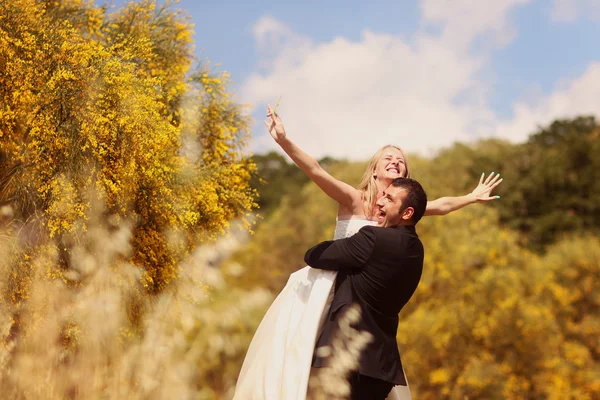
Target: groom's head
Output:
[{"x": 402, "y": 203}]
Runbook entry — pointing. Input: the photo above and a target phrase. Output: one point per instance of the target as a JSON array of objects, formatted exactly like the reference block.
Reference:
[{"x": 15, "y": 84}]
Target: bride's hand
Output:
[
  {"x": 483, "y": 191},
  {"x": 275, "y": 125}
]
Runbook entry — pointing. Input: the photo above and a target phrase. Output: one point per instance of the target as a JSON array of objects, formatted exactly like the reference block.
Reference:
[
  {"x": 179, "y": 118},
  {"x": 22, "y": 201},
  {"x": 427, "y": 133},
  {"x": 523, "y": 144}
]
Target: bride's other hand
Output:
[
  {"x": 275, "y": 125},
  {"x": 483, "y": 191}
]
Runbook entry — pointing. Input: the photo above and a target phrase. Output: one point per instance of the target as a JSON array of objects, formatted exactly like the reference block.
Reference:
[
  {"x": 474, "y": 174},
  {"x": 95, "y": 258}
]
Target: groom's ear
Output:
[{"x": 407, "y": 213}]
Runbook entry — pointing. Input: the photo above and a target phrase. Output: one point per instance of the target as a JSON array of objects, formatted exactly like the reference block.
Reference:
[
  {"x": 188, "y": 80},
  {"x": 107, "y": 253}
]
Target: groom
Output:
[{"x": 379, "y": 269}]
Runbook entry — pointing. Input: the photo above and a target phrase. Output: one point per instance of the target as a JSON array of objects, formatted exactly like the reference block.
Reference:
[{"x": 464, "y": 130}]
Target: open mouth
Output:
[
  {"x": 394, "y": 170},
  {"x": 380, "y": 216}
]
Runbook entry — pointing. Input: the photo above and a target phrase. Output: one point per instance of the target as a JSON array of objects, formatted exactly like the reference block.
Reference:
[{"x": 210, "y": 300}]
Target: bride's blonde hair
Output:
[{"x": 368, "y": 184}]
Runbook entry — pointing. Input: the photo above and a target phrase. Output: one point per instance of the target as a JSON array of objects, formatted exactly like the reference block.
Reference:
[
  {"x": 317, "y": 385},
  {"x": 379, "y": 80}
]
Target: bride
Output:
[{"x": 277, "y": 364}]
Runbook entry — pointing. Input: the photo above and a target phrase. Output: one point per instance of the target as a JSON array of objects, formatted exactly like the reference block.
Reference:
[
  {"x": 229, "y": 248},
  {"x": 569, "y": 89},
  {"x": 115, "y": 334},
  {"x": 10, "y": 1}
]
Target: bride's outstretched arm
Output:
[
  {"x": 339, "y": 191},
  {"x": 482, "y": 193}
]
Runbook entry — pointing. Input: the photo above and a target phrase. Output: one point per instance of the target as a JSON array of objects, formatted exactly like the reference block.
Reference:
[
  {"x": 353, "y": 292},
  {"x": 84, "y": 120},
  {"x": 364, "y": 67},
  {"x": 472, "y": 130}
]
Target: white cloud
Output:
[
  {"x": 572, "y": 98},
  {"x": 464, "y": 20},
  {"x": 571, "y": 10},
  {"x": 275, "y": 40},
  {"x": 347, "y": 98},
  {"x": 268, "y": 27}
]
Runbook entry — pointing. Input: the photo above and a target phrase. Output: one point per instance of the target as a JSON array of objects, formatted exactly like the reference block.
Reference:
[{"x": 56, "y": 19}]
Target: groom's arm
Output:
[{"x": 334, "y": 255}]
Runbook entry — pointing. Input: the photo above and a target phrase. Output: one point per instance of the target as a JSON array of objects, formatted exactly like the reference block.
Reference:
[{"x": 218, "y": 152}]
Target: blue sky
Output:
[{"x": 419, "y": 73}]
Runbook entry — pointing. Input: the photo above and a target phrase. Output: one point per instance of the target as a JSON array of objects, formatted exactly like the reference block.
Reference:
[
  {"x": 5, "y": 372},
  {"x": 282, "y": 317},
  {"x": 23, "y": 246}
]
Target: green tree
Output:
[
  {"x": 275, "y": 177},
  {"x": 554, "y": 182}
]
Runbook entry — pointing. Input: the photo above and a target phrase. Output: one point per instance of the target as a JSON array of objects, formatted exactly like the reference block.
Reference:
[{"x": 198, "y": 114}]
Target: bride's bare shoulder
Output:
[{"x": 354, "y": 207}]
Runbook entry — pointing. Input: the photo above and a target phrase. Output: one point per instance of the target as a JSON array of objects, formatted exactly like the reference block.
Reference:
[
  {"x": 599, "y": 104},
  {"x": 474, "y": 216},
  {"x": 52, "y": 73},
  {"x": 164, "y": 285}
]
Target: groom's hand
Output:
[{"x": 335, "y": 255}]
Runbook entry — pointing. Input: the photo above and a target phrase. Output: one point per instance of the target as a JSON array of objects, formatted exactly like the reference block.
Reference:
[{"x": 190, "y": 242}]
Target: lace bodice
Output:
[{"x": 347, "y": 227}]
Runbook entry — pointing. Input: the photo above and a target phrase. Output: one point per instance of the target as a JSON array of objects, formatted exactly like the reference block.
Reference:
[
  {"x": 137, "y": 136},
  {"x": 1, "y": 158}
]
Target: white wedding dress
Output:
[{"x": 277, "y": 364}]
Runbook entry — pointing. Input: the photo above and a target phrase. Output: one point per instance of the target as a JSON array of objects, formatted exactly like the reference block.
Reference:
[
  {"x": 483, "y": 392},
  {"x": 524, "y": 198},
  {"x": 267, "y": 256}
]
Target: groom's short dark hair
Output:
[{"x": 415, "y": 197}]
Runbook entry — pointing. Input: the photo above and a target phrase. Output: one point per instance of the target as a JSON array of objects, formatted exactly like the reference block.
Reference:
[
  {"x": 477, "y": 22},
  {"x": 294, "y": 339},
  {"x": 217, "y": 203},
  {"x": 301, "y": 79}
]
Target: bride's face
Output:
[{"x": 391, "y": 165}]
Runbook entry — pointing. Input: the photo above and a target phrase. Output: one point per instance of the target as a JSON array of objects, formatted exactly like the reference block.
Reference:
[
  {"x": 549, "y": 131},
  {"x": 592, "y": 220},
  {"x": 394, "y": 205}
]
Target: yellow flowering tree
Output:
[
  {"x": 492, "y": 320},
  {"x": 92, "y": 101}
]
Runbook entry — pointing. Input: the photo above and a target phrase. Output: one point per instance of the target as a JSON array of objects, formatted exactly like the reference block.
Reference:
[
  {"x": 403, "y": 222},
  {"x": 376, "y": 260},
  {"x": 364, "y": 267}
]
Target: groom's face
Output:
[{"x": 391, "y": 211}]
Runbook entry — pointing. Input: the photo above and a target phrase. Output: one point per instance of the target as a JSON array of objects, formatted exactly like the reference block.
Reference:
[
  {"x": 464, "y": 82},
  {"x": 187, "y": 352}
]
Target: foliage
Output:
[
  {"x": 556, "y": 185},
  {"x": 274, "y": 178},
  {"x": 105, "y": 101},
  {"x": 277, "y": 177},
  {"x": 489, "y": 318}
]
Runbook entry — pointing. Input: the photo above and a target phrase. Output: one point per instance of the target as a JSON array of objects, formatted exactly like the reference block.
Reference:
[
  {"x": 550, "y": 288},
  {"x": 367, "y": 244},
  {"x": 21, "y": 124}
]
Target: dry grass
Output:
[
  {"x": 331, "y": 383},
  {"x": 92, "y": 333},
  {"x": 89, "y": 331}
]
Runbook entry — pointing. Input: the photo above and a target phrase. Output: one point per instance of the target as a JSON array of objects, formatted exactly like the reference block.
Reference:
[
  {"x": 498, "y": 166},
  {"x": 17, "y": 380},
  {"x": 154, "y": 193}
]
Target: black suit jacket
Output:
[{"x": 379, "y": 268}]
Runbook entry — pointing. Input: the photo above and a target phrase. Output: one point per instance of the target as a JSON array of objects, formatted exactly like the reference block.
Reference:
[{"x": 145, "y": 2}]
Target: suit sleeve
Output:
[{"x": 335, "y": 255}]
